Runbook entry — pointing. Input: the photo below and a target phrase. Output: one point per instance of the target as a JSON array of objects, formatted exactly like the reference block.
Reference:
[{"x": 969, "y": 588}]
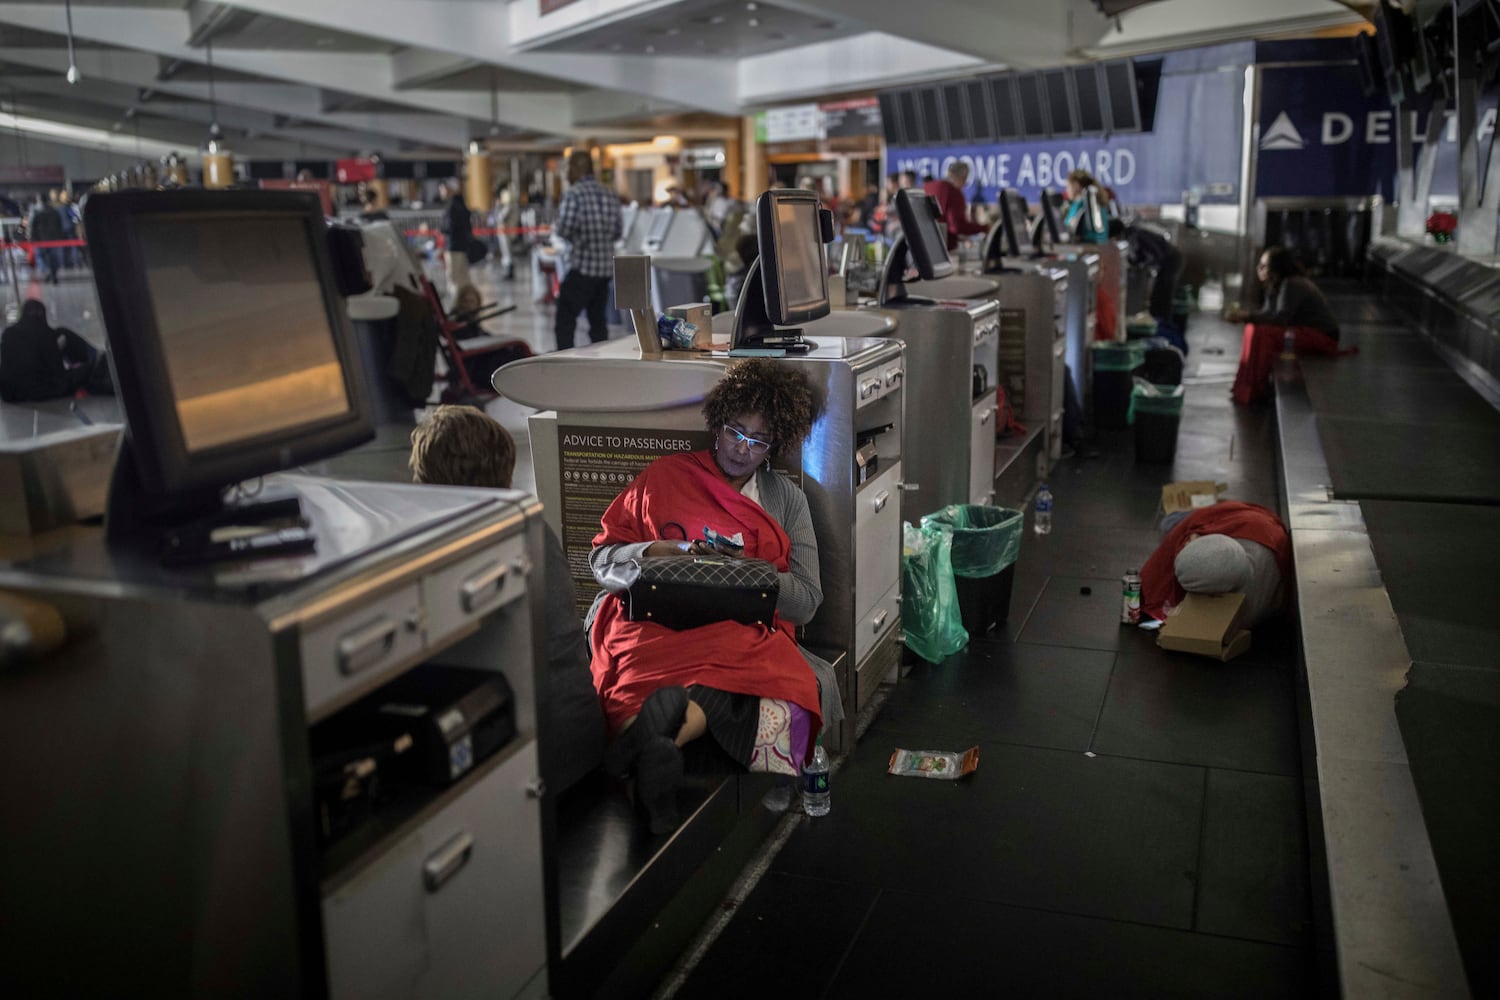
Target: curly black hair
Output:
[{"x": 776, "y": 391}]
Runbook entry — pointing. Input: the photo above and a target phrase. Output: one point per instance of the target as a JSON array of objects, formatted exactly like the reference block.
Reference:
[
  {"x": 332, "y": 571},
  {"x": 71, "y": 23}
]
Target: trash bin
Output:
[
  {"x": 1157, "y": 411},
  {"x": 1163, "y": 363},
  {"x": 986, "y": 541},
  {"x": 1113, "y": 363}
]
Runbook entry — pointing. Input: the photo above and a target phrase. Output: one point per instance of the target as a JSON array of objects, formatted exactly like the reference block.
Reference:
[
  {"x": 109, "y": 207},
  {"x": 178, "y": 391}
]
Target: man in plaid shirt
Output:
[{"x": 589, "y": 220}]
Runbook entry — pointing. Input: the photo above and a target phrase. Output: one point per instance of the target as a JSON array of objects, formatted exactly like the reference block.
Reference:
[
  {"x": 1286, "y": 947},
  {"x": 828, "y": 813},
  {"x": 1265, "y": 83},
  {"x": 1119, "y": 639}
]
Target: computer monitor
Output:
[
  {"x": 926, "y": 234},
  {"x": 231, "y": 349},
  {"x": 788, "y": 283},
  {"x": 1013, "y": 214},
  {"x": 1051, "y": 219}
]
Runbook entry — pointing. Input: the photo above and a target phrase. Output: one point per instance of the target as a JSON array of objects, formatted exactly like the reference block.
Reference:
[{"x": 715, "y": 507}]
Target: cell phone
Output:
[{"x": 720, "y": 543}]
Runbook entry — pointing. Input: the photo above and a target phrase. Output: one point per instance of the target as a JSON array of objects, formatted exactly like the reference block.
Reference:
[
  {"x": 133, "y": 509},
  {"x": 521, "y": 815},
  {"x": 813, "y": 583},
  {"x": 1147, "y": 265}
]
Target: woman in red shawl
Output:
[
  {"x": 1230, "y": 547},
  {"x": 751, "y": 688}
]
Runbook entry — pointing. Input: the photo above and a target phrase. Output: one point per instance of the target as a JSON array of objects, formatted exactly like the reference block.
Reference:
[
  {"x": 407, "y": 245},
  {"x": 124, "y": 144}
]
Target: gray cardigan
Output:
[{"x": 801, "y": 593}]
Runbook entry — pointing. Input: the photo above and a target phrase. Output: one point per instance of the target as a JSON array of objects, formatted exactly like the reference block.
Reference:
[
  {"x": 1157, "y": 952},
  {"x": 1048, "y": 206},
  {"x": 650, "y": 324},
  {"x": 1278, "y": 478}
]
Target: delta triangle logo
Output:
[{"x": 1282, "y": 134}]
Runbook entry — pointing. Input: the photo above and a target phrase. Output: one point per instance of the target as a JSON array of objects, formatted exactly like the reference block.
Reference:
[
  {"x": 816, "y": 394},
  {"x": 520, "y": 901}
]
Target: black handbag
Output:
[{"x": 684, "y": 592}]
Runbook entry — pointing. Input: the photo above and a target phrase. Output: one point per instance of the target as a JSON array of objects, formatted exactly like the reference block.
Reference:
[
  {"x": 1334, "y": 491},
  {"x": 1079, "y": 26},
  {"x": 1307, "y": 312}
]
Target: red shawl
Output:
[
  {"x": 632, "y": 659},
  {"x": 1159, "y": 587}
]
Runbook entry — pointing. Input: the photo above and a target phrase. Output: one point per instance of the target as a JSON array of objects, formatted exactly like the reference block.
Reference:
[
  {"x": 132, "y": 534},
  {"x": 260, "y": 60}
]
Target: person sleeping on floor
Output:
[{"x": 1229, "y": 548}]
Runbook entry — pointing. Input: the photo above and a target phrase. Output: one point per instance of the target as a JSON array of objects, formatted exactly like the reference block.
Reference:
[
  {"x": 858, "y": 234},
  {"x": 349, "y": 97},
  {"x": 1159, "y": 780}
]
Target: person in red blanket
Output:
[
  {"x": 949, "y": 193},
  {"x": 759, "y": 697},
  {"x": 1293, "y": 306},
  {"x": 1228, "y": 548}
]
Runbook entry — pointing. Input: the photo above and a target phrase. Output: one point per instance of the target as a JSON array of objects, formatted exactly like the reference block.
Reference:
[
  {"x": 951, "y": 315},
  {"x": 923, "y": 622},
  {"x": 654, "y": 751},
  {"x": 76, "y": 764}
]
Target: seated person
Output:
[
  {"x": 466, "y": 308},
  {"x": 1228, "y": 548},
  {"x": 462, "y": 446},
  {"x": 758, "y": 696},
  {"x": 39, "y": 361},
  {"x": 1293, "y": 305}
]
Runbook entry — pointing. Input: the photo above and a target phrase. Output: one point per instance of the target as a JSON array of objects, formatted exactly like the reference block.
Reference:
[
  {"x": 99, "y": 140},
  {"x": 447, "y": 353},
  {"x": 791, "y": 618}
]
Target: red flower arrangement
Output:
[{"x": 1441, "y": 226}]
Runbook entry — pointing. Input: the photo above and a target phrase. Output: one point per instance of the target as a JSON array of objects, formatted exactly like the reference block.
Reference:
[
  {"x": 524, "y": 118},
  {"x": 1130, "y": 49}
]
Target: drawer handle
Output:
[
  {"x": 446, "y": 861},
  {"x": 879, "y": 619},
  {"x": 984, "y": 417},
  {"x": 482, "y": 586},
  {"x": 893, "y": 376},
  {"x": 367, "y": 646},
  {"x": 869, "y": 388},
  {"x": 881, "y": 499}
]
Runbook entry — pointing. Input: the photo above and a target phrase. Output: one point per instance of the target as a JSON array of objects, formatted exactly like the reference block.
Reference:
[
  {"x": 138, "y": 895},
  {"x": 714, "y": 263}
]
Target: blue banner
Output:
[
  {"x": 1195, "y": 144},
  {"x": 1320, "y": 136}
]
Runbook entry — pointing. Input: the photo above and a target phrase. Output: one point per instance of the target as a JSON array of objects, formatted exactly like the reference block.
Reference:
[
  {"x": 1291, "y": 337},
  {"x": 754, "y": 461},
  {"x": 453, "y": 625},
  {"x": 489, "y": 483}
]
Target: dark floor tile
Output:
[
  {"x": 1065, "y": 616},
  {"x": 1046, "y": 696},
  {"x": 1252, "y": 877},
  {"x": 1192, "y": 710},
  {"x": 1044, "y": 828},
  {"x": 805, "y": 924},
  {"x": 932, "y": 946}
]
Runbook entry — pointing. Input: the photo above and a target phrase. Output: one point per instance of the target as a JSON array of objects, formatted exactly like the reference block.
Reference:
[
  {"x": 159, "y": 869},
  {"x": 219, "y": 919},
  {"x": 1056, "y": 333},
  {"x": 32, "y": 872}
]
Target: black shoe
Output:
[
  {"x": 658, "y": 773},
  {"x": 510, "y": 273},
  {"x": 661, "y": 714}
]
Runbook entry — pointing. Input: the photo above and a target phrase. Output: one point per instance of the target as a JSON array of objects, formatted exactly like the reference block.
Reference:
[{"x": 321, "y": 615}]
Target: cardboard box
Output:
[
  {"x": 1190, "y": 495},
  {"x": 1207, "y": 625}
]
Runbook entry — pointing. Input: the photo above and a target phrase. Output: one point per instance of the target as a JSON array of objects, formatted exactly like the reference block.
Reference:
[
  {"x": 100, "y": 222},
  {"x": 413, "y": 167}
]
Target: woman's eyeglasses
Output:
[{"x": 733, "y": 437}]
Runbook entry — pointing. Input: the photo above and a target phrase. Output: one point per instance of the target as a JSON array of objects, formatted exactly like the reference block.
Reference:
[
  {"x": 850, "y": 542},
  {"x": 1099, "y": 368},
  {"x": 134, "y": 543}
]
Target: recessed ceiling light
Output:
[
  {"x": 716, "y": 19},
  {"x": 752, "y": 6},
  {"x": 754, "y": 22},
  {"x": 650, "y": 49}
]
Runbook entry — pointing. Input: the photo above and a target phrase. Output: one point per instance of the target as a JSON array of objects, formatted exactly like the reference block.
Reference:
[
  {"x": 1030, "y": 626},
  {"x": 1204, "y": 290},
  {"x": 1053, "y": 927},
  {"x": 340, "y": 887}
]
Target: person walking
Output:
[
  {"x": 458, "y": 233},
  {"x": 588, "y": 221}
]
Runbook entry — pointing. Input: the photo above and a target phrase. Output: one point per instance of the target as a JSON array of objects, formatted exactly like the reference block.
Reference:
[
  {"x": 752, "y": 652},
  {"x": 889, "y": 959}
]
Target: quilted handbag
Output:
[{"x": 684, "y": 592}]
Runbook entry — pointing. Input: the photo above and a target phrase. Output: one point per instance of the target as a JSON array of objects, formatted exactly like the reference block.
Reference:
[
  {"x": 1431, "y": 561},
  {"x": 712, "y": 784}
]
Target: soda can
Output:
[{"x": 1130, "y": 600}]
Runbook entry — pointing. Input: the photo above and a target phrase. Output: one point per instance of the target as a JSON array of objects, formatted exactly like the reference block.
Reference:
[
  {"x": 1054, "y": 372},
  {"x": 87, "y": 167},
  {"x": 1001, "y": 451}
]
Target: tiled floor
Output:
[{"x": 1136, "y": 825}]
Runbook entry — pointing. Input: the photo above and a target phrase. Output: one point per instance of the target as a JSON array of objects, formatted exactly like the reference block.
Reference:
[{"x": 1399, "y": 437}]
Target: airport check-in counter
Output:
[
  {"x": 609, "y": 413},
  {"x": 163, "y": 759},
  {"x": 1114, "y": 275},
  {"x": 1083, "y": 267},
  {"x": 1033, "y": 341},
  {"x": 951, "y": 333}
]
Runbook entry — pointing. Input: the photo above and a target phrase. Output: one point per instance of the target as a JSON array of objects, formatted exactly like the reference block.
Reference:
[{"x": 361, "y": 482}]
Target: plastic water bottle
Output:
[
  {"x": 1043, "y": 521},
  {"x": 817, "y": 799}
]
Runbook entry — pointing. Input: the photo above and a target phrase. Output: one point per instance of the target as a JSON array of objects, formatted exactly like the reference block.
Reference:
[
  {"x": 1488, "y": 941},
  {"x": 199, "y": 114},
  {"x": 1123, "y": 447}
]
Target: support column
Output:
[
  {"x": 479, "y": 186},
  {"x": 218, "y": 167},
  {"x": 1415, "y": 168},
  {"x": 753, "y": 155},
  {"x": 1478, "y": 195}
]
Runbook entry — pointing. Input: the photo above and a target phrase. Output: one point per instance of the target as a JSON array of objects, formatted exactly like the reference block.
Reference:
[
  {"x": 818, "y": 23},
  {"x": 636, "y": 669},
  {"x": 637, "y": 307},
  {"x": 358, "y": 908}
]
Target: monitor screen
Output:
[
  {"x": 242, "y": 329},
  {"x": 926, "y": 235},
  {"x": 1124, "y": 102},
  {"x": 1013, "y": 214},
  {"x": 1031, "y": 101},
  {"x": 793, "y": 272},
  {"x": 1090, "y": 106},
  {"x": 1003, "y": 105},
  {"x": 1058, "y": 86},
  {"x": 1051, "y": 217},
  {"x": 231, "y": 348}
]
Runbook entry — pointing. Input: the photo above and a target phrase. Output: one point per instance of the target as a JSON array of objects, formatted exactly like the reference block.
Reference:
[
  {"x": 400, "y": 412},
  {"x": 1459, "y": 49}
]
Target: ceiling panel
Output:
[
  {"x": 702, "y": 28},
  {"x": 258, "y": 31},
  {"x": 507, "y": 81}
]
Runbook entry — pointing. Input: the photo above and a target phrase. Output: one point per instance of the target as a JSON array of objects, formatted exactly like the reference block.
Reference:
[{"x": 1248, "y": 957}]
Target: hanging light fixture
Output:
[{"x": 73, "y": 75}]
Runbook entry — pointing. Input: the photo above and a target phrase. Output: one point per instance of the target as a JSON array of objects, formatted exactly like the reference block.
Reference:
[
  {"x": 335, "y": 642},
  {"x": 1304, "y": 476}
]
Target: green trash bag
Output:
[
  {"x": 985, "y": 539},
  {"x": 1109, "y": 356},
  {"x": 930, "y": 616}
]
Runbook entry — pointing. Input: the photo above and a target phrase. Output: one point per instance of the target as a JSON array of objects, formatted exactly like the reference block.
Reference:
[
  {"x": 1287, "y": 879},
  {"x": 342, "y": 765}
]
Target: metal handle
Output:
[
  {"x": 879, "y": 620},
  {"x": 908, "y": 487},
  {"x": 444, "y": 863},
  {"x": 984, "y": 417},
  {"x": 868, "y": 389},
  {"x": 366, "y": 646},
  {"x": 881, "y": 499},
  {"x": 483, "y": 585},
  {"x": 893, "y": 376}
]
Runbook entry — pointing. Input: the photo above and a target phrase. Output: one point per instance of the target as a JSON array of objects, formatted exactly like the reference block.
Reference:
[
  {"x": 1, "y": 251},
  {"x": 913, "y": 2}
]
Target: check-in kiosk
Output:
[
  {"x": 205, "y": 749},
  {"x": 952, "y": 365},
  {"x": 608, "y": 413},
  {"x": 634, "y": 222},
  {"x": 680, "y": 245}
]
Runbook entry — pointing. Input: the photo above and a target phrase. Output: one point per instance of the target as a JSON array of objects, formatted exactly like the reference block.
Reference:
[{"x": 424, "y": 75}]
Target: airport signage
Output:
[
  {"x": 1194, "y": 145},
  {"x": 1321, "y": 136}
]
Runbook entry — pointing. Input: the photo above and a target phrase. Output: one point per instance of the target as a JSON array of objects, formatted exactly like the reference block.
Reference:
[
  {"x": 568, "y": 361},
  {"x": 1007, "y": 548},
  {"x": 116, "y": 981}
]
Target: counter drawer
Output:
[
  {"x": 467, "y": 591},
  {"x": 877, "y": 538},
  {"x": 344, "y": 657},
  {"x": 877, "y": 621},
  {"x": 982, "y": 449},
  {"x": 452, "y": 910},
  {"x": 1059, "y": 372}
]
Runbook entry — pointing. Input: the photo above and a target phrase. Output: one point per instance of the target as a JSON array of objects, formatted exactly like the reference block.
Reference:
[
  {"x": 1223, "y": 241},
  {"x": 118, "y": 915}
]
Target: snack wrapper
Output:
[{"x": 945, "y": 765}]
